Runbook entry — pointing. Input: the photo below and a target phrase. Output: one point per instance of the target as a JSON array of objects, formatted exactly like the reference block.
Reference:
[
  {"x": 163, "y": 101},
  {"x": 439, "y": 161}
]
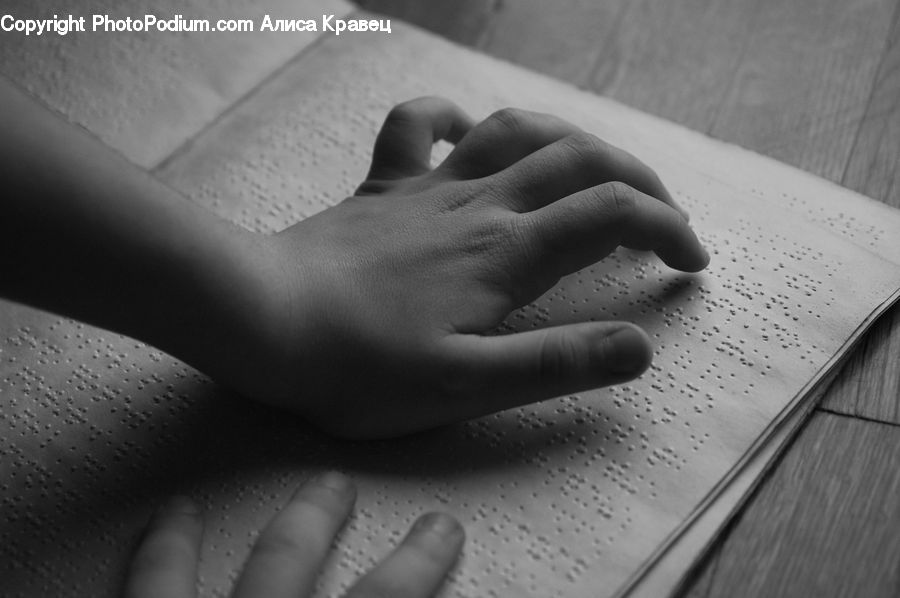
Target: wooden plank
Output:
[
  {"x": 870, "y": 385},
  {"x": 874, "y": 166},
  {"x": 804, "y": 81},
  {"x": 676, "y": 59},
  {"x": 824, "y": 524},
  {"x": 563, "y": 39}
]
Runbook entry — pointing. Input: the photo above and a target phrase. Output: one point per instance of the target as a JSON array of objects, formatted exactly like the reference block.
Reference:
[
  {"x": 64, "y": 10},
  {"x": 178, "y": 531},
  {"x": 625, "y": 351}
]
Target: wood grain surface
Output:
[
  {"x": 824, "y": 524},
  {"x": 816, "y": 84}
]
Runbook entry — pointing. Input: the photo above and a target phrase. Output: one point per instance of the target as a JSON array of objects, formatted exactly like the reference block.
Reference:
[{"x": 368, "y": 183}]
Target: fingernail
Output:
[
  {"x": 629, "y": 351},
  {"x": 335, "y": 481},
  {"x": 179, "y": 504},
  {"x": 437, "y": 523}
]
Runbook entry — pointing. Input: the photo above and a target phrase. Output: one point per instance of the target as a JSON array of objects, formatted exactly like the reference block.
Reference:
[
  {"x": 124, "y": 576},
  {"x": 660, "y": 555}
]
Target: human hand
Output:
[
  {"x": 372, "y": 318},
  {"x": 379, "y": 314},
  {"x": 287, "y": 557}
]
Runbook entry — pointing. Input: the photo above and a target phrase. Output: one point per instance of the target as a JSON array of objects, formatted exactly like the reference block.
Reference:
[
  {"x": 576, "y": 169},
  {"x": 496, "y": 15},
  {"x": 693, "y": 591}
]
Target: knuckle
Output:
[
  {"x": 517, "y": 233},
  {"x": 535, "y": 242},
  {"x": 540, "y": 248},
  {"x": 621, "y": 198},
  {"x": 495, "y": 234},
  {"x": 483, "y": 195},
  {"x": 372, "y": 187},
  {"x": 543, "y": 236},
  {"x": 430, "y": 99},
  {"x": 514, "y": 248},
  {"x": 511, "y": 119},
  {"x": 405, "y": 111},
  {"x": 587, "y": 147}
]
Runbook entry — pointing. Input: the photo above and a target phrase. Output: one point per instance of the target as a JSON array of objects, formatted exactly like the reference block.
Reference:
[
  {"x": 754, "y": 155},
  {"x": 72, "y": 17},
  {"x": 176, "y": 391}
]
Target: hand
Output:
[
  {"x": 372, "y": 318},
  {"x": 379, "y": 308},
  {"x": 289, "y": 553}
]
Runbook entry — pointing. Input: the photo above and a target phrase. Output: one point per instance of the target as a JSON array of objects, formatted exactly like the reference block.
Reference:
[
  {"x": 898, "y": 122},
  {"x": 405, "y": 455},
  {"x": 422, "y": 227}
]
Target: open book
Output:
[{"x": 600, "y": 494}]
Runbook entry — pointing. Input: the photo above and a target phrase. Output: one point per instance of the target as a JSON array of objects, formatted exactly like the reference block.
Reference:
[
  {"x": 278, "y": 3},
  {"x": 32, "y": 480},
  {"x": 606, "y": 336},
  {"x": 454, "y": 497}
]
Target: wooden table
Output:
[{"x": 816, "y": 84}]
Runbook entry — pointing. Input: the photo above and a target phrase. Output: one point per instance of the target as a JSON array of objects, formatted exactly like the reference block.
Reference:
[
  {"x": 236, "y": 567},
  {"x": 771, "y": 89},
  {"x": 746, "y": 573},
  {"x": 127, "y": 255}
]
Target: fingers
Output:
[
  {"x": 286, "y": 558},
  {"x": 580, "y": 229},
  {"x": 547, "y": 158},
  {"x": 403, "y": 146},
  {"x": 418, "y": 566},
  {"x": 502, "y": 139},
  {"x": 516, "y": 369},
  {"x": 165, "y": 563},
  {"x": 574, "y": 163}
]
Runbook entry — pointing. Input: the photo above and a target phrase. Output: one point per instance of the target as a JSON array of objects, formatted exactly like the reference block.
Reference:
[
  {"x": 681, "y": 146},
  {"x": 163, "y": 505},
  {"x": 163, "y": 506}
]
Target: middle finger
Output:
[
  {"x": 286, "y": 559},
  {"x": 572, "y": 164}
]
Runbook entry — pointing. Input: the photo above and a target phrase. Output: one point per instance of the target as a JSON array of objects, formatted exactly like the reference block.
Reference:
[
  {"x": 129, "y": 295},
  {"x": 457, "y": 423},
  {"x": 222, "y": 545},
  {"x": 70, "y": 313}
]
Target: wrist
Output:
[
  {"x": 206, "y": 294},
  {"x": 228, "y": 311}
]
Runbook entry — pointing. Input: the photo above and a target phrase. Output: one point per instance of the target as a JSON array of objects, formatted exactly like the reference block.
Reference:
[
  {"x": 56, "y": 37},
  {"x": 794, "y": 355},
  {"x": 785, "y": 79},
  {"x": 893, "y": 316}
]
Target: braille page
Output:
[
  {"x": 571, "y": 497},
  {"x": 146, "y": 93},
  {"x": 669, "y": 569}
]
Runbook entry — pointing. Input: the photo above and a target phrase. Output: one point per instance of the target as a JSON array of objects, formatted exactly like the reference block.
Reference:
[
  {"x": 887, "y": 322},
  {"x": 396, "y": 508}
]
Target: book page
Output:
[
  {"x": 146, "y": 93},
  {"x": 571, "y": 497}
]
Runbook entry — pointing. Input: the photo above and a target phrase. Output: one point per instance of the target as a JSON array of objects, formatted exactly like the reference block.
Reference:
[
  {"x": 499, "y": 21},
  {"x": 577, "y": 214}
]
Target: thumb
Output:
[{"x": 507, "y": 371}]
